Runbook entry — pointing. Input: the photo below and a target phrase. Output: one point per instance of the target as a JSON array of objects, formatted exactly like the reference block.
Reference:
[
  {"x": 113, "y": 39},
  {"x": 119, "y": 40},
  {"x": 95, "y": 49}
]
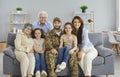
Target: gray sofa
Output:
[{"x": 103, "y": 64}]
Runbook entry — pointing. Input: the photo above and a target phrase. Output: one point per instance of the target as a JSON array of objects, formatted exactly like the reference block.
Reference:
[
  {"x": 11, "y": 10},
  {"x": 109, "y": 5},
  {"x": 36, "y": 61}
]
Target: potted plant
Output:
[
  {"x": 18, "y": 9},
  {"x": 84, "y": 7}
]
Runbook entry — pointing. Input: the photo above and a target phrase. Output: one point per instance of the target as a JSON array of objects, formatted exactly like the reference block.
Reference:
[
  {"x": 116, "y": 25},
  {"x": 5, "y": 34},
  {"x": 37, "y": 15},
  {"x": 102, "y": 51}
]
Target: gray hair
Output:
[
  {"x": 27, "y": 25},
  {"x": 43, "y": 12}
]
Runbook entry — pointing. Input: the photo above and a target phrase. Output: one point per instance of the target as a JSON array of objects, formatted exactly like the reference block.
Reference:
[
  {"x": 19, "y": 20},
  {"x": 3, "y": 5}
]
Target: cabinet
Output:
[
  {"x": 88, "y": 19},
  {"x": 17, "y": 20}
]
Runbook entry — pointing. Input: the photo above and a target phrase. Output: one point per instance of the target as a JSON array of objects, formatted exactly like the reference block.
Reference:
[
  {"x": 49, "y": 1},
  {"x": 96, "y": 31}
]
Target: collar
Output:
[
  {"x": 54, "y": 33},
  {"x": 42, "y": 24},
  {"x": 25, "y": 34}
]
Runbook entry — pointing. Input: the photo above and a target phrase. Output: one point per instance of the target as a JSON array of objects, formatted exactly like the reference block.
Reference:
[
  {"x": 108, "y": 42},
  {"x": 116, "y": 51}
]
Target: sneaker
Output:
[
  {"x": 62, "y": 66},
  {"x": 58, "y": 68},
  {"x": 43, "y": 74},
  {"x": 37, "y": 74}
]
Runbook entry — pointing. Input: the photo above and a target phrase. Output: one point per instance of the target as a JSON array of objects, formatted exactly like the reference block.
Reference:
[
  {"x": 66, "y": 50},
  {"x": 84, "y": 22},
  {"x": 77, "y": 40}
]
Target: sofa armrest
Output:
[
  {"x": 103, "y": 51},
  {"x": 9, "y": 51}
]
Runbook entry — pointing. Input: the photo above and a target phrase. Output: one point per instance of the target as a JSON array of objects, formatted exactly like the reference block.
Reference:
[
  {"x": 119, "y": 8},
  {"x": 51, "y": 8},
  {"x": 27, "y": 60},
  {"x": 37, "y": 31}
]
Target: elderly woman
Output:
[{"x": 24, "y": 51}]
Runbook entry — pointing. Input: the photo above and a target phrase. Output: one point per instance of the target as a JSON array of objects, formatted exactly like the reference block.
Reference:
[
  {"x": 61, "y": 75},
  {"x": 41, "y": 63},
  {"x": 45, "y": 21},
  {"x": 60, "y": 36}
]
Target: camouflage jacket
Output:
[{"x": 52, "y": 40}]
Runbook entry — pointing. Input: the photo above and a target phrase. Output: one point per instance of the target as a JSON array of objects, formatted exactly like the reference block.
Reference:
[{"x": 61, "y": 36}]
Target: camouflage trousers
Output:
[
  {"x": 73, "y": 65},
  {"x": 50, "y": 61}
]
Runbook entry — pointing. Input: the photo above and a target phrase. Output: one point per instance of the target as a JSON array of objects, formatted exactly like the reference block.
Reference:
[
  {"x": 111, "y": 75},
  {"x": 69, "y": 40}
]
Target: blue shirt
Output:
[
  {"x": 46, "y": 27},
  {"x": 85, "y": 41}
]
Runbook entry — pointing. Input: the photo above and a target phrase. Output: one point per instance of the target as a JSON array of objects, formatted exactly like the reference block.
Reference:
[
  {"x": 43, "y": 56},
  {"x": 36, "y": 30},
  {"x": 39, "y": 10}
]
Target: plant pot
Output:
[
  {"x": 18, "y": 11},
  {"x": 83, "y": 10}
]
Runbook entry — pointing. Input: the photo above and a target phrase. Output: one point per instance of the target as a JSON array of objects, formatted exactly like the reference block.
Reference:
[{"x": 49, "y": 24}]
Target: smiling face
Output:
[
  {"x": 57, "y": 25},
  {"x": 37, "y": 34},
  {"x": 42, "y": 18},
  {"x": 27, "y": 30},
  {"x": 76, "y": 24},
  {"x": 68, "y": 29}
]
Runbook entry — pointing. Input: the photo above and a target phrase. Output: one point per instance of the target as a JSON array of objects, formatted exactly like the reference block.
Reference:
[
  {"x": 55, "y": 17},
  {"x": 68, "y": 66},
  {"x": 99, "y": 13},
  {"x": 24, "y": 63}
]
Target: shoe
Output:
[
  {"x": 37, "y": 74},
  {"x": 43, "y": 74},
  {"x": 58, "y": 68},
  {"x": 62, "y": 66}
]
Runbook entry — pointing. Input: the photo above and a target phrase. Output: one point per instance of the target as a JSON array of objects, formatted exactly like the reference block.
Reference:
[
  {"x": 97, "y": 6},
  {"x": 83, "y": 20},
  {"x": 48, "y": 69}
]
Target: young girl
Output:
[
  {"x": 39, "y": 49},
  {"x": 68, "y": 44}
]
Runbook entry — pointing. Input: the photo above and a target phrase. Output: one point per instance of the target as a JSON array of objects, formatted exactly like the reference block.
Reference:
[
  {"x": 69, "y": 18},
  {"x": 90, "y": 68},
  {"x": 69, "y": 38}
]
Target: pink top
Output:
[{"x": 68, "y": 40}]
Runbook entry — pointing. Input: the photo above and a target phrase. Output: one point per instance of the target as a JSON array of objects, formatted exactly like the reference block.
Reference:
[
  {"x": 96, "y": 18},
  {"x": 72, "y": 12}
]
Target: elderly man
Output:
[
  {"x": 42, "y": 22},
  {"x": 52, "y": 42}
]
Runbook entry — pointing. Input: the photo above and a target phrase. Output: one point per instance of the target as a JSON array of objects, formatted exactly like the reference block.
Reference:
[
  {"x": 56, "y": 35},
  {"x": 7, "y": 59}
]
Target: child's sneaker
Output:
[
  {"x": 62, "y": 66},
  {"x": 58, "y": 68},
  {"x": 43, "y": 74},
  {"x": 37, "y": 74}
]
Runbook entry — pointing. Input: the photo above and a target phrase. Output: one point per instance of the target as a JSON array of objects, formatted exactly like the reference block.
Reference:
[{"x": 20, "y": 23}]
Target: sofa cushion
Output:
[
  {"x": 95, "y": 38},
  {"x": 16, "y": 62},
  {"x": 103, "y": 51},
  {"x": 98, "y": 60},
  {"x": 11, "y": 38},
  {"x": 10, "y": 52}
]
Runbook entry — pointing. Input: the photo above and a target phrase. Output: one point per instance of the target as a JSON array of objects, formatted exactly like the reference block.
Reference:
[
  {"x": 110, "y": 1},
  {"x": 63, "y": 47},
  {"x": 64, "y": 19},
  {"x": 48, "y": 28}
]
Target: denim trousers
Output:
[
  {"x": 40, "y": 63},
  {"x": 63, "y": 54}
]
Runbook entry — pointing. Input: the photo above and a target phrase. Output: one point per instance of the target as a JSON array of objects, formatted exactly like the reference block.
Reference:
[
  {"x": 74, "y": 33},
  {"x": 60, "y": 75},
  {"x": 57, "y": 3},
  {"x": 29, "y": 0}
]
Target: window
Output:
[{"x": 117, "y": 15}]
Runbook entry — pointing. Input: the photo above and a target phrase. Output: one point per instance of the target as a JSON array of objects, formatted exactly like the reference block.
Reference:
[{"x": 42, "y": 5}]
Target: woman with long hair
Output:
[{"x": 86, "y": 52}]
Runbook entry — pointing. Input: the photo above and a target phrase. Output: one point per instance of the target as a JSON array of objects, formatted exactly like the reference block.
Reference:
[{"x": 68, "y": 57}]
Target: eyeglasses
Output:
[
  {"x": 43, "y": 17},
  {"x": 28, "y": 28}
]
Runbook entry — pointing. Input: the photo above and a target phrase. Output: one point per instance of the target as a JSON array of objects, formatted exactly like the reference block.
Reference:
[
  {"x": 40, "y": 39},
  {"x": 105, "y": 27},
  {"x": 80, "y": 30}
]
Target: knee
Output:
[
  {"x": 25, "y": 60},
  {"x": 48, "y": 56},
  {"x": 32, "y": 59},
  {"x": 42, "y": 55},
  {"x": 73, "y": 55},
  {"x": 87, "y": 57},
  {"x": 36, "y": 55}
]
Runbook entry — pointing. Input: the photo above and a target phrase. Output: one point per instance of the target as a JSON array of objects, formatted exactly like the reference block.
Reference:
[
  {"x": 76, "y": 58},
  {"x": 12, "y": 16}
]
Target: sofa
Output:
[{"x": 103, "y": 64}]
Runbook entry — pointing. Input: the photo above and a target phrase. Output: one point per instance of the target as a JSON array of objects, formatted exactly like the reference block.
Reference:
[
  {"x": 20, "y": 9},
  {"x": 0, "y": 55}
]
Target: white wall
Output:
[{"x": 104, "y": 11}]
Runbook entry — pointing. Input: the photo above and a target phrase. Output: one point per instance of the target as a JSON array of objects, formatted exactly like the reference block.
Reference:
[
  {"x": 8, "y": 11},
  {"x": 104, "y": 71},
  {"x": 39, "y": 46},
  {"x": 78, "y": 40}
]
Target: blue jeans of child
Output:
[
  {"x": 63, "y": 54},
  {"x": 40, "y": 63}
]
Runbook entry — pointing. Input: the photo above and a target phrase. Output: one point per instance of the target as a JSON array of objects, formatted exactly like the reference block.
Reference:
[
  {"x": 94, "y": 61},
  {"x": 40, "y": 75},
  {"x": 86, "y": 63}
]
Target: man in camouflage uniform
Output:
[{"x": 52, "y": 42}]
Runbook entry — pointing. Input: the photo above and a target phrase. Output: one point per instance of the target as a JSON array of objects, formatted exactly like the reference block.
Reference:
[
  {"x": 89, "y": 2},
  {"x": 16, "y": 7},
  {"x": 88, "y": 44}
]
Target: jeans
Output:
[
  {"x": 40, "y": 64},
  {"x": 63, "y": 54}
]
